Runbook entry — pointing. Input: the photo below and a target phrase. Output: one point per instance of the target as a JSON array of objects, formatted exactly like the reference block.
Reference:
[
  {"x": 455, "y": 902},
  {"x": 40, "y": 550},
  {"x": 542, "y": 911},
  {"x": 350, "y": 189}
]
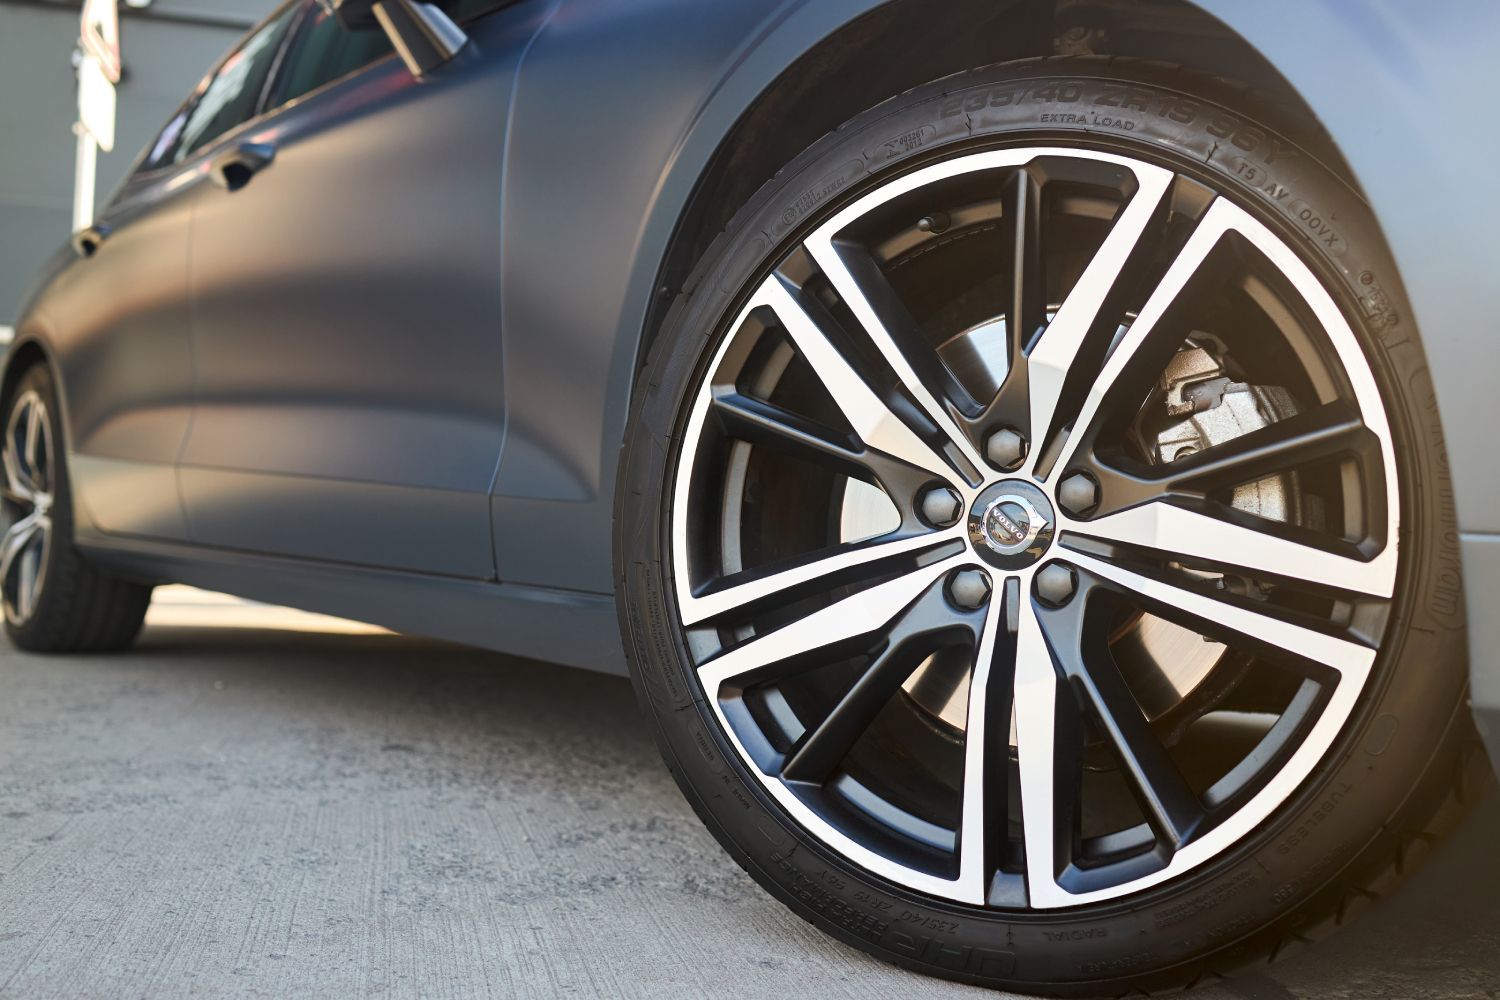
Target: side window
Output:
[
  {"x": 325, "y": 51},
  {"x": 166, "y": 142},
  {"x": 233, "y": 93}
]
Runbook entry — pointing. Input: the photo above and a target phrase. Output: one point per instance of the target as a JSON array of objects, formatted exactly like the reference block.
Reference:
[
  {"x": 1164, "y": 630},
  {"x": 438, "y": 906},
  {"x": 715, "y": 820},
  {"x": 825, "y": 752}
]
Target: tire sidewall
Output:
[{"x": 1333, "y": 827}]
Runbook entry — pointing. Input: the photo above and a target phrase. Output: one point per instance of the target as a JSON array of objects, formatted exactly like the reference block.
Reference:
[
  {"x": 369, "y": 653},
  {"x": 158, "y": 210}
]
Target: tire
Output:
[
  {"x": 73, "y": 608},
  {"x": 1400, "y": 767}
]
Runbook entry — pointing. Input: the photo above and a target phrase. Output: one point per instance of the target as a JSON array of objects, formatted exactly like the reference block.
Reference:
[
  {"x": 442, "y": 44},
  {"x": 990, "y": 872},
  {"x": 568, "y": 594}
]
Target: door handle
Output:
[
  {"x": 233, "y": 168},
  {"x": 86, "y": 242}
]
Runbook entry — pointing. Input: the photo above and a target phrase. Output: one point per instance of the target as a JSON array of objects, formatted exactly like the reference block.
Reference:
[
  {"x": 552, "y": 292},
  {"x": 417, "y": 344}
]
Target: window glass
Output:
[
  {"x": 326, "y": 51},
  {"x": 234, "y": 92},
  {"x": 167, "y": 142}
]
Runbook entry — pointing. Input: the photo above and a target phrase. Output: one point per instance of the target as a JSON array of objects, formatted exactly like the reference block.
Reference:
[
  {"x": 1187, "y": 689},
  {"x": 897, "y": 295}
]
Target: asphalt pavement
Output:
[{"x": 296, "y": 812}]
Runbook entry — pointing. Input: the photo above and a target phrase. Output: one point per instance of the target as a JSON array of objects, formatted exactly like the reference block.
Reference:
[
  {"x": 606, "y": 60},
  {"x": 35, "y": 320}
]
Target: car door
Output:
[
  {"x": 345, "y": 282},
  {"x": 119, "y": 323},
  {"x": 122, "y": 320}
]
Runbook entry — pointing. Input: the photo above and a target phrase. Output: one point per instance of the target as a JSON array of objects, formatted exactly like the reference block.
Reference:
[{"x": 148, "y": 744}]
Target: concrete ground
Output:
[{"x": 287, "y": 812}]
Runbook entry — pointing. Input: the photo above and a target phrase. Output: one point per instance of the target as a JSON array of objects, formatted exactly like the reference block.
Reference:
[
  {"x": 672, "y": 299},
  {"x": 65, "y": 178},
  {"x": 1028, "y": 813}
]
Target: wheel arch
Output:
[
  {"x": 26, "y": 352},
  {"x": 884, "y": 46}
]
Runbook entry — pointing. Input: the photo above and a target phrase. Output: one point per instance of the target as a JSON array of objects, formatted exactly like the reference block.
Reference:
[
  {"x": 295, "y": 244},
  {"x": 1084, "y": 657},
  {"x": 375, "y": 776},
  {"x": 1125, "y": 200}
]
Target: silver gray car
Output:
[{"x": 1030, "y": 455}]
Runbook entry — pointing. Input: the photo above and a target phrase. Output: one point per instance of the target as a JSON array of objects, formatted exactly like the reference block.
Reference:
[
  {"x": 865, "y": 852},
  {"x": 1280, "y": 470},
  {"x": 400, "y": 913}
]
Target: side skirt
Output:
[{"x": 574, "y": 628}]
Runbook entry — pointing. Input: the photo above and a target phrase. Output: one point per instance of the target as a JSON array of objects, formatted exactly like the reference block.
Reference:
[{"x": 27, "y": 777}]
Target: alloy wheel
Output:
[
  {"x": 28, "y": 493},
  {"x": 1034, "y": 527}
]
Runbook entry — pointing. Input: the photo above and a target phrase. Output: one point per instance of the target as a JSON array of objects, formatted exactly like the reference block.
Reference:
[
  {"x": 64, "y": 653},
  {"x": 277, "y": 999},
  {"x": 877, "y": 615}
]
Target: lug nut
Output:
[
  {"x": 969, "y": 588},
  {"x": 1006, "y": 447},
  {"x": 1078, "y": 494},
  {"x": 1055, "y": 584},
  {"x": 941, "y": 507}
]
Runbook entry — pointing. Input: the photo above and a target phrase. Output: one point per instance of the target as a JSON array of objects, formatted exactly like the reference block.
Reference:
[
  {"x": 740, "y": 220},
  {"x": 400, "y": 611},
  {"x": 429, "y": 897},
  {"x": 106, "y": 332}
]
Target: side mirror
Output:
[{"x": 423, "y": 35}]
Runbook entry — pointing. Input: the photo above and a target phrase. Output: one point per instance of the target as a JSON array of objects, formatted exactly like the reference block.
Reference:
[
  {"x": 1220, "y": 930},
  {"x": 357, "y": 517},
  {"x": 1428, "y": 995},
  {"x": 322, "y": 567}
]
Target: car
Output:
[{"x": 1028, "y": 455}]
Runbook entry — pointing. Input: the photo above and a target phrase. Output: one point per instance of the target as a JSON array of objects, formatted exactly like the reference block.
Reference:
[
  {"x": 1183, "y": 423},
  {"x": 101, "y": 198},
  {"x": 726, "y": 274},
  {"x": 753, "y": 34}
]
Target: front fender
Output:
[{"x": 607, "y": 146}]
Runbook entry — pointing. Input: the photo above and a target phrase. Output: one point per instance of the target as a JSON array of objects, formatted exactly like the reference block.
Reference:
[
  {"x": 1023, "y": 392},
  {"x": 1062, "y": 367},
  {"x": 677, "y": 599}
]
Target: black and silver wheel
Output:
[
  {"x": 54, "y": 601},
  {"x": 27, "y": 541},
  {"x": 1029, "y": 542}
]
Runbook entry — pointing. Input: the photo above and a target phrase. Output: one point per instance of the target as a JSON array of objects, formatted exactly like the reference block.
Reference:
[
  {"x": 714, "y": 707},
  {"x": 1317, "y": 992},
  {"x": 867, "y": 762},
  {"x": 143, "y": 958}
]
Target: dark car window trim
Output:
[{"x": 294, "y": 31}]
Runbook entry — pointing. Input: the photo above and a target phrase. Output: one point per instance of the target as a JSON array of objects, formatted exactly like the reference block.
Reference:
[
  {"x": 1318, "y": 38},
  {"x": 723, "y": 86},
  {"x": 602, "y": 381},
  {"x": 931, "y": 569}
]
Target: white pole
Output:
[{"x": 83, "y": 179}]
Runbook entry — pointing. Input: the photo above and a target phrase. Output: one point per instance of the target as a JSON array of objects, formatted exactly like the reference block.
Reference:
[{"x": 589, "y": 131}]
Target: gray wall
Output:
[{"x": 165, "y": 49}]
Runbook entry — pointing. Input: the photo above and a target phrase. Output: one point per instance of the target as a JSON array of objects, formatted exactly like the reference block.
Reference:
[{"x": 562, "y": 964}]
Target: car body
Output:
[
  {"x": 477, "y": 505},
  {"x": 360, "y": 514}
]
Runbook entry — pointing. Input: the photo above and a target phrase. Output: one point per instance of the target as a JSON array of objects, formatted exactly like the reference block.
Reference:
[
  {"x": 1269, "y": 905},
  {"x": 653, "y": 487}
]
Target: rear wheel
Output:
[
  {"x": 53, "y": 600},
  {"x": 1034, "y": 542}
]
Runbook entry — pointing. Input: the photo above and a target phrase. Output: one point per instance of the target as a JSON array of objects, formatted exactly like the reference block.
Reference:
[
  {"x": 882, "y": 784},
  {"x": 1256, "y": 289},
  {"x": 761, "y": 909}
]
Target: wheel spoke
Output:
[
  {"x": 982, "y": 829},
  {"x": 771, "y": 426},
  {"x": 1235, "y": 622},
  {"x": 17, "y": 487},
  {"x": 1174, "y": 811},
  {"x": 1327, "y": 432},
  {"x": 910, "y": 636},
  {"x": 1020, "y": 230},
  {"x": 863, "y": 615},
  {"x": 874, "y": 422},
  {"x": 30, "y": 566},
  {"x": 1084, "y": 658},
  {"x": 1211, "y": 542},
  {"x": 34, "y": 418},
  {"x": 819, "y": 752},
  {"x": 1215, "y": 223},
  {"x": 24, "y": 431},
  {"x": 824, "y": 571},
  {"x": 1052, "y": 359},
  {"x": 16, "y": 538},
  {"x": 766, "y": 424},
  {"x": 1222, "y": 217},
  {"x": 894, "y": 325},
  {"x": 1048, "y": 734},
  {"x": 888, "y": 326}
]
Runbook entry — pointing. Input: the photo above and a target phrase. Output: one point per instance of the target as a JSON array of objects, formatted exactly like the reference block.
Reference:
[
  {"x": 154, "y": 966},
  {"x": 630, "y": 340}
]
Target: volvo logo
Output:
[{"x": 1011, "y": 524}]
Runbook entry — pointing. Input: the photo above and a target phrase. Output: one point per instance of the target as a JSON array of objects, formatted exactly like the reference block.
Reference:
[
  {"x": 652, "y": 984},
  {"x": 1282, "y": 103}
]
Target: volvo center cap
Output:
[{"x": 1011, "y": 524}]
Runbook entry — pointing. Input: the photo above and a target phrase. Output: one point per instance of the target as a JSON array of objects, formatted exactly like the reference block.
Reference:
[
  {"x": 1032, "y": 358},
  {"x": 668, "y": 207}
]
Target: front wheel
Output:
[{"x": 1033, "y": 537}]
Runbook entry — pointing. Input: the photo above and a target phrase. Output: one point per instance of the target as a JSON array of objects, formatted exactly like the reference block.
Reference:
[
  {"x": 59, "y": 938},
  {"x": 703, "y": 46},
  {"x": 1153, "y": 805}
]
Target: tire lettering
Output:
[{"x": 1124, "y": 97}]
